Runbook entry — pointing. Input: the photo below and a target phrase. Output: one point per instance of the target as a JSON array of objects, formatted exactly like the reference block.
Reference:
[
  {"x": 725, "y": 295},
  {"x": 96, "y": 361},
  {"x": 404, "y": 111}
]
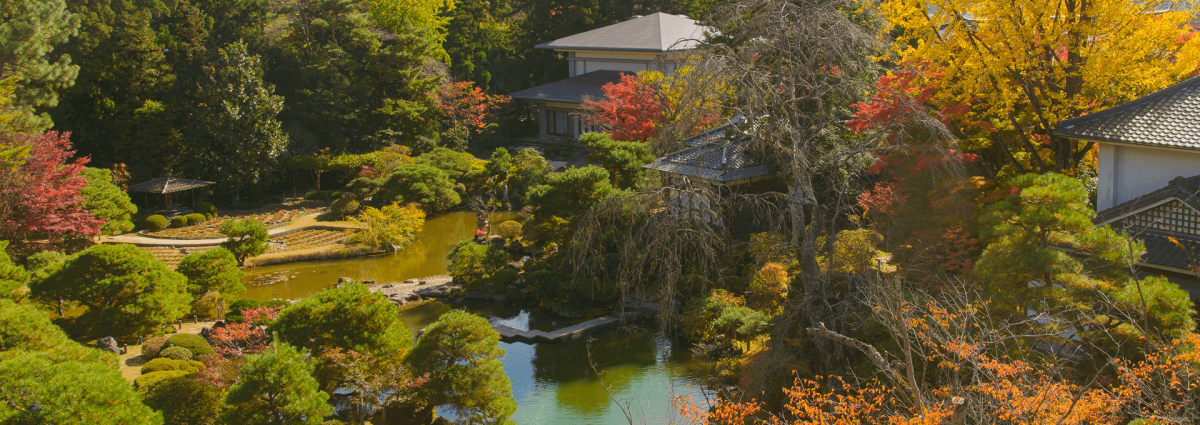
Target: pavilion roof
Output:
[{"x": 165, "y": 185}]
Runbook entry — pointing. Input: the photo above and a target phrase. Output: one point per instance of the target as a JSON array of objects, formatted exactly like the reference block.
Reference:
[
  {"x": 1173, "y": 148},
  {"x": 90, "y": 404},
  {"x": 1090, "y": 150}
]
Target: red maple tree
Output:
[
  {"x": 42, "y": 198},
  {"x": 631, "y": 110},
  {"x": 464, "y": 104}
]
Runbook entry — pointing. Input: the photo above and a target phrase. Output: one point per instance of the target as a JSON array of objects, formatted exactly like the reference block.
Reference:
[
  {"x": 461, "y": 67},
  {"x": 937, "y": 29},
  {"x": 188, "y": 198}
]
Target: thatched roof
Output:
[{"x": 165, "y": 185}]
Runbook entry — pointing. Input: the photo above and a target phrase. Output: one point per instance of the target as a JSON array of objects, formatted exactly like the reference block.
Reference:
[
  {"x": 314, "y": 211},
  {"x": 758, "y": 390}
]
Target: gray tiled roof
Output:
[
  {"x": 713, "y": 155},
  {"x": 660, "y": 32},
  {"x": 1160, "y": 250},
  {"x": 571, "y": 90},
  {"x": 1168, "y": 118}
]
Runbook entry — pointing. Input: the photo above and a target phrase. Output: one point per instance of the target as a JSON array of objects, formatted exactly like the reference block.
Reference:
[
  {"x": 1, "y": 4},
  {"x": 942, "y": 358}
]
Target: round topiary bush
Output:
[
  {"x": 192, "y": 342},
  {"x": 159, "y": 365},
  {"x": 151, "y": 347},
  {"x": 505, "y": 276},
  {"x": 207, "y": 208},
  {"x": 196, "y": 218},
  {"x": 155, "y": 223},
  {"x": 344, "y": 206},
  {"x": 150, "y": 379},
  {"x": 178, "y": 221},
  {"x": 317, "y": 195},
  {"x": 177, "y": 353},
  {"x": 509, "y": 230}
]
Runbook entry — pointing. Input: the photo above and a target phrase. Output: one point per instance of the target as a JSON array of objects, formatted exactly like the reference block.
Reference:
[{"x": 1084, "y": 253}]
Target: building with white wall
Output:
[
  {"x": 600, "y": 56},
  {"x": 1149, "y": 175}
]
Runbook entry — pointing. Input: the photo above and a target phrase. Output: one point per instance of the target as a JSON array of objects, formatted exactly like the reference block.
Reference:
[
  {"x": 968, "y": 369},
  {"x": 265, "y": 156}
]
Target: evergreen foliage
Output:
[
  {"x": 155, "y": 223},
  {"x": 126, "y": 291},
  {"x": 622, "y": 159},
  {"x": 215, "y": 270},
  {"x": 29, "y": 34},
  {"x": 68, "y": 392},
  {"x": 236, "y": 134},
  {"x": 184, "y": 400},
  {"x": 425, "y": 185},
  {"x": 12, "y": 277},
  {"x": 350, "y": 318},
  {"x": 461, "y": 353},
  {"x": 471, "y": 264},
  {"x": 107, "y": 202},
  {"x": 277, "y": 388},
  {"x": 192, "y": 342},
  {"x": 176, "y": 353},
  {"x": 247, "y": 238}
]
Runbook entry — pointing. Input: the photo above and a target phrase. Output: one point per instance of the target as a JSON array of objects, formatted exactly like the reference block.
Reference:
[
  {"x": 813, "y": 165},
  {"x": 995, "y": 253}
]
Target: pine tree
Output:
[
  {"x": 236, "y": 134},
  {"x": 30, "y": 30},
  {"x": 277, "y": 388},
  {"x": 107, "y": 202},
  {"x": 461, "y": 352}
]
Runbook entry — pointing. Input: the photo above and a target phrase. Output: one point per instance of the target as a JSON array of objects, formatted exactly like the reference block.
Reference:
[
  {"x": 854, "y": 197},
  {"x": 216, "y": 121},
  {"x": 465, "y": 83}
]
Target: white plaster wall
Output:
[
  {"x": 586, "y": 66},
  {"x": 1127, "y": 171}
]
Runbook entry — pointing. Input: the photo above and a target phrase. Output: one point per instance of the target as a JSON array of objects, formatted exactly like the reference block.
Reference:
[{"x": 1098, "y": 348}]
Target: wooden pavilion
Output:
[{"x": 168, "y": 187}]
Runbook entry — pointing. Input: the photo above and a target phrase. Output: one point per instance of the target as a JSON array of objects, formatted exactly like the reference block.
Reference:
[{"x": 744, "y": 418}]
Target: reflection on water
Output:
[
  {"x": 552, "y": 383},
  {"x": 425, "y": 257}
]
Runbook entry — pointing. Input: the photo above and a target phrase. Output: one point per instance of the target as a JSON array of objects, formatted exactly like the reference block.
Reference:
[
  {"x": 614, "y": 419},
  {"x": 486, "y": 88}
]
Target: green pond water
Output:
[{"x": 551, "y": 382}]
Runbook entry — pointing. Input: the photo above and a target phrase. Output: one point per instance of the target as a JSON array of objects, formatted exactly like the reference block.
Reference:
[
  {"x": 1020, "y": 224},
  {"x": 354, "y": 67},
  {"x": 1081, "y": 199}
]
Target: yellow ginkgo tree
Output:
[{"x": 1003, "y": 73}]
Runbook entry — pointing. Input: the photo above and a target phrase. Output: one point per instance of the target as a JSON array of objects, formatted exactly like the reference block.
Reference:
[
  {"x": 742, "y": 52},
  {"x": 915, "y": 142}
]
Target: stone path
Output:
[
  {"x": 300, "y": 223},
  {"x": 508, "y": 334}
]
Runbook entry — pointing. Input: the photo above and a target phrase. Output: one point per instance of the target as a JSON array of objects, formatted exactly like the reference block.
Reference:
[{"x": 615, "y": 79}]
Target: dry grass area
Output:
[
  {"x": 326, "y": 252},
  {"x": 171, "y": 255},
  {"x": 308, "y": 239},
  {"x": 271, "y": 216}
]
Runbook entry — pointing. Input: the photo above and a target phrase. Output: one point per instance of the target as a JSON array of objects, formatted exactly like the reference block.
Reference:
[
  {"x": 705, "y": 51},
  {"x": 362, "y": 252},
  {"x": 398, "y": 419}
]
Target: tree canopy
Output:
[
  {"x": 277, "y": 388},
  {"x": 107, "y": 202},
  {"x": 461, "y": 353}
]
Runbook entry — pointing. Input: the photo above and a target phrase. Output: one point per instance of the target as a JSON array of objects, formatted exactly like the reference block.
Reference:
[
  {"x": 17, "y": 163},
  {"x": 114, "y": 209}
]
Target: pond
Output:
[
  {"x": 552, "y": 382},
  {"x": 425, "y": 257}
]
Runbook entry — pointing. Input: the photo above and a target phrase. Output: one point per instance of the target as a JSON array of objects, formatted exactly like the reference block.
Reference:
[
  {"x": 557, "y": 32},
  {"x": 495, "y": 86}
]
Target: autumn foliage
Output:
[
  {"x": 42, "y": 197},
  {"x": 630, "y": 111}
]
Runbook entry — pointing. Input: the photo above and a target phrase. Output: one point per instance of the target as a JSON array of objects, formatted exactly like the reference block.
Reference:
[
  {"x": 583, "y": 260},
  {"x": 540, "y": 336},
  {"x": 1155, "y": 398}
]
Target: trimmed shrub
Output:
[
  {"x": 155, "y": 223},
  {"x": 185, "y": 401},
  {"x": 151, "y": 347},
  {"x": 196, "y": 218},
  {"x": 159, "y": 365},
  {"x": 150, "y": 379},
  {"x": 509, "y": 230},
  {"x": 318, "y": 195},
  {"x": 177, "y": 353},
  {"x": 178, "y": 221},
  {"x": 274, "y": 303},
  {"x": 344, "y": 206},
  {"x": 240, "y": 304},
  {"x": 192, "y": 342},
  {"x": 207, "y": 208},
  {"x": 505, "y": 276}
]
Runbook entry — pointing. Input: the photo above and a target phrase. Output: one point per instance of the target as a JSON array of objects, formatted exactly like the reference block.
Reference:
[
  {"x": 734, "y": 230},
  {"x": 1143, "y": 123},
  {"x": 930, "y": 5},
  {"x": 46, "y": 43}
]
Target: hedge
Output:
[
  {"x": 151, "y": 347},
  {"x": 192, "y": 342},
  {"x": 177, "y": 353},
  {"x": 178, "y": 221},
  {"x": 155, "y": 223},
  {"x": 196, "y": 218},
  {"x": 163, "y": 364}
]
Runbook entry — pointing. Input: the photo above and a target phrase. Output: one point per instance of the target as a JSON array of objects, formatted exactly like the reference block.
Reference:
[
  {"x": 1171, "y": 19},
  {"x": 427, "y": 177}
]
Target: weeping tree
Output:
[{"x": 794, "y": 68}]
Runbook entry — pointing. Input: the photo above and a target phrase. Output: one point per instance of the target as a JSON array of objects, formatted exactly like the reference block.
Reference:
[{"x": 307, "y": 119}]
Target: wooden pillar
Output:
[{"x": 542, "y": 127}]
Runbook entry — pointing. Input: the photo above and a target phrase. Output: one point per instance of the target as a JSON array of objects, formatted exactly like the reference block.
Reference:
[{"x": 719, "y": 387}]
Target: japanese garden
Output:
[{"x": 582, "y": 212}]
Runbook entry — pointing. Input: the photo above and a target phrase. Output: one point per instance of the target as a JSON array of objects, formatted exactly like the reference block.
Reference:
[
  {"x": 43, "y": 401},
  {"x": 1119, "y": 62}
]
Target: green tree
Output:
[
  {"x": 247, "y": 238},
  {"x": 622, "y": 159},
  {"x": 277, "y": 388},
  {"x": 115, "y": 109},
  {"x": 350, "y": 318},
  {"x": 235, "y": 132},
  {"x": 108, "y": 202},
  {"x": 428, "y": 186},
  {"x": 480, "y": 41},
  {"x": 456, "y": 164},
  {"x": 12, "y": 276},
  {"x": 461, "y": 353},
  {"x": 1027, "y": 263},
  {"x": 126, "y": 291},
  {"x": 528, "y": 169},
  {"x": 423, "y": 15},
  {"x": 68, "y": 382},
  {"x": 472, "y": 263},
  {"x": 212, "y": 275},
  {"x": 351, "y": 87},
  {"x": 498, "y": 170},
  {"x": 29, "y": 33},
  {"x": 564, "y": 196}
]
